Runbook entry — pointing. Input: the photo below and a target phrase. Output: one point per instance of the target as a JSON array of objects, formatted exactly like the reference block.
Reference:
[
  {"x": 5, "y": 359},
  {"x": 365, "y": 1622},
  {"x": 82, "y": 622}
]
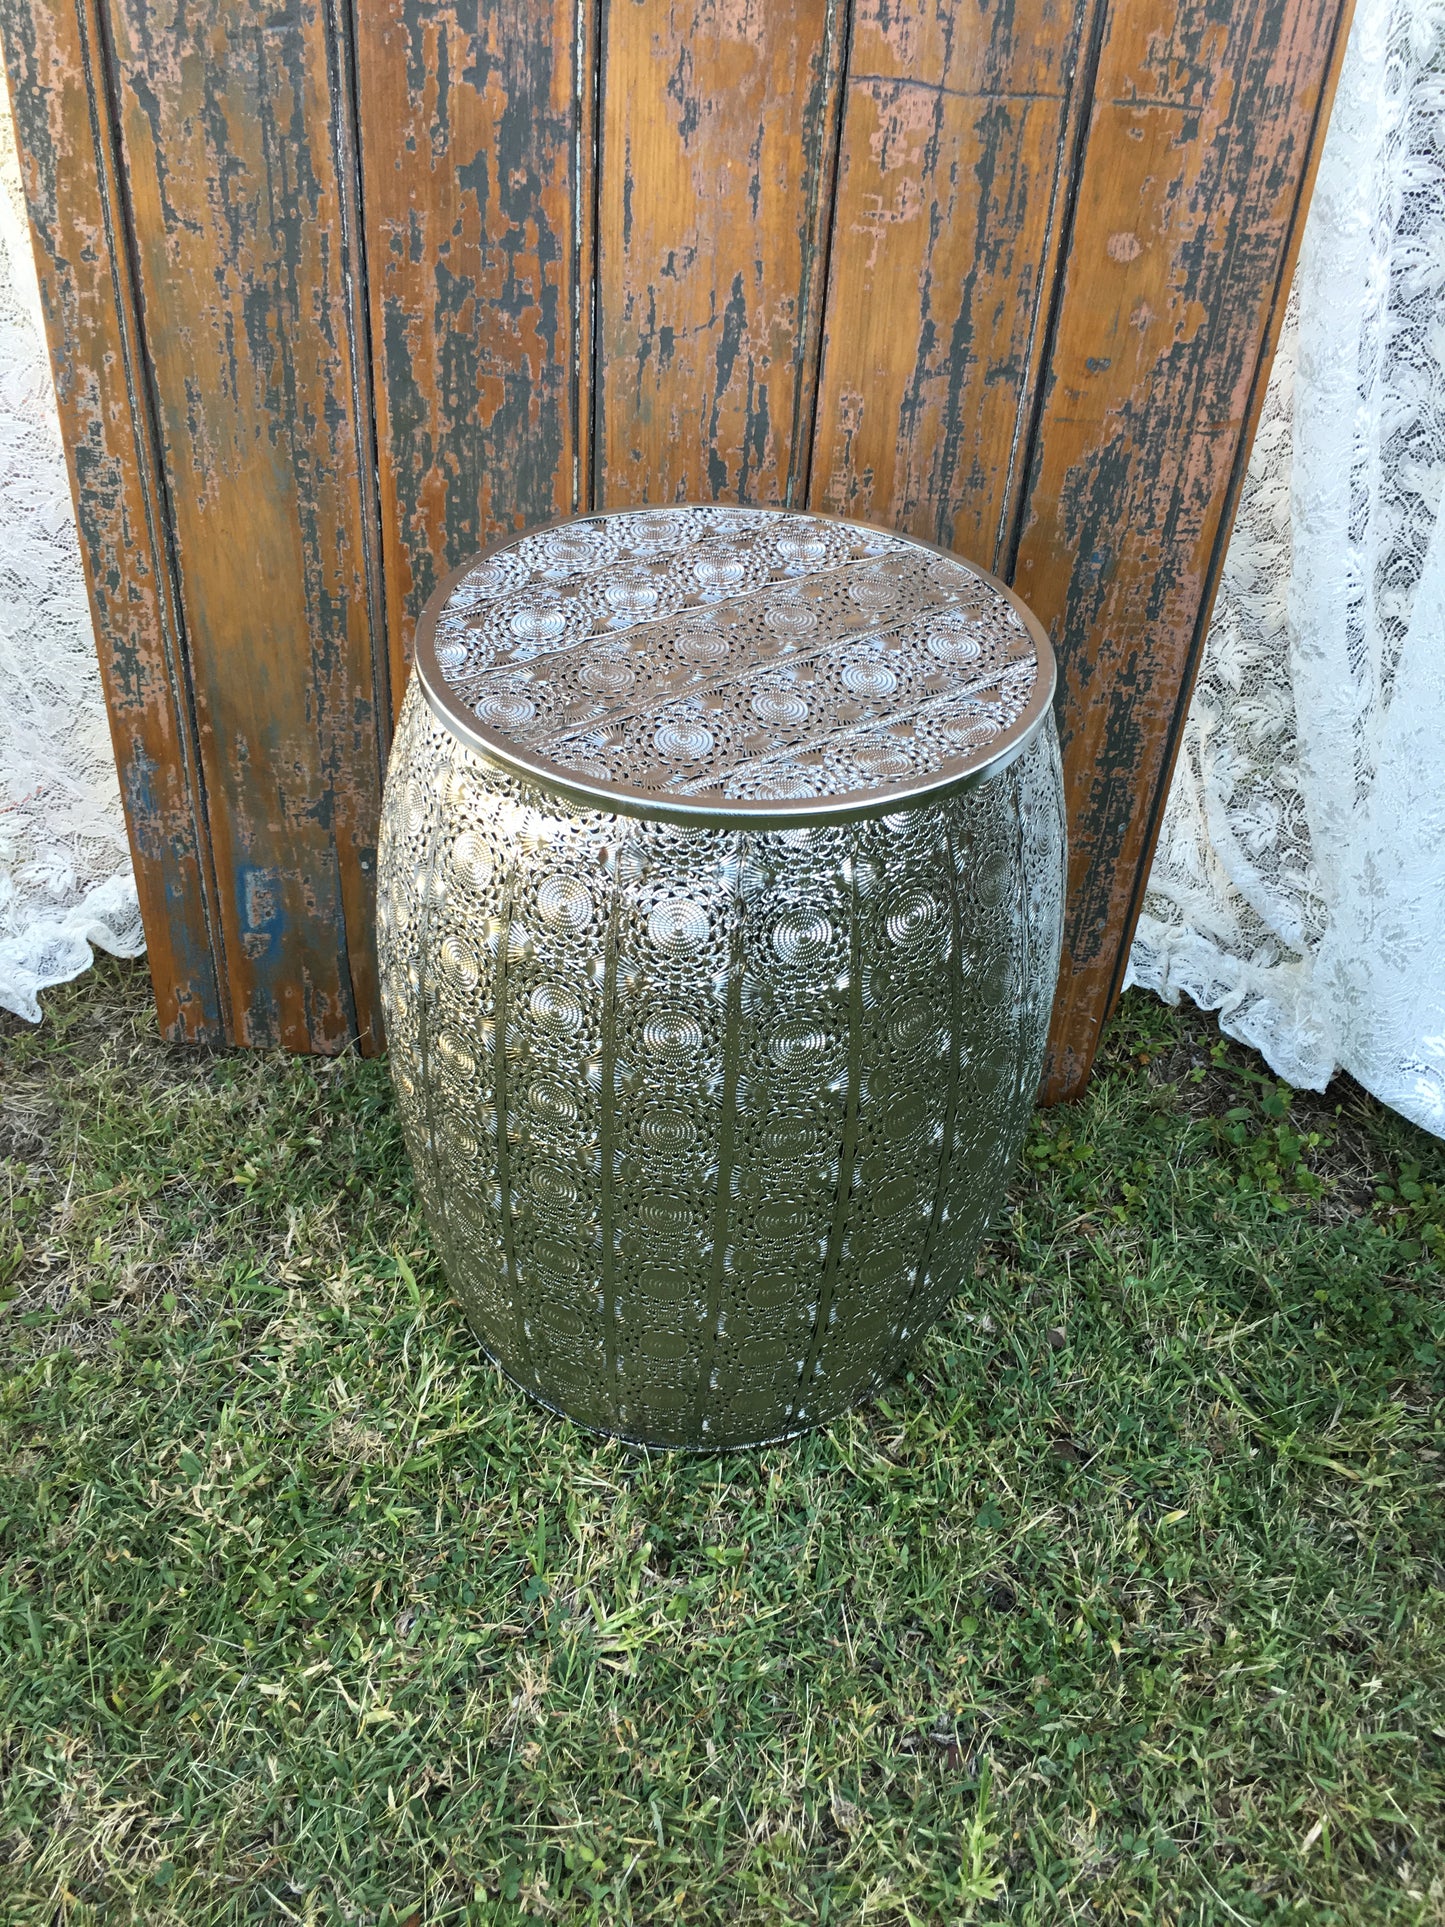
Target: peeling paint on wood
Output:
[
  {"x": 337, "y": 295},
  {"x": 473, "y": 114},
  {"x": 718, "y": 129},
  {"x": 62, "y": 121},
  {"x": 958, "y": 132},
  {"x": 226, "y": 123}
]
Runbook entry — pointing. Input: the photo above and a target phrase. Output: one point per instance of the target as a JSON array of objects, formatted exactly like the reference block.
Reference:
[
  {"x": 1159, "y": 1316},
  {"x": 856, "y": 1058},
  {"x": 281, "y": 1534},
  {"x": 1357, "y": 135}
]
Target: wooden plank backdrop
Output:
[
  {"x": 951, "y": 201},
  {"x": 338, "y": 294},
  {"x": 717, "y": 136},
  {"x": 478, "y": 186}
]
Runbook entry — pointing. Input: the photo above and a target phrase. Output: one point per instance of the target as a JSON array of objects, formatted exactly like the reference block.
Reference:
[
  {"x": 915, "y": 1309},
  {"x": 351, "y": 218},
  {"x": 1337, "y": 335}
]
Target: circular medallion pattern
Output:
[
  {"x": 801, "y": 937},
  {"x": 683, "y": 742},
  {"x": 672, "y": 1035},
  {"x": 738, "y": 660},
  {"x": 708, "y": 1111},
  {"x": 678, "y": 926},
  {"x": 564, "y": 902},
  {"x": 557, "y": 1008}
]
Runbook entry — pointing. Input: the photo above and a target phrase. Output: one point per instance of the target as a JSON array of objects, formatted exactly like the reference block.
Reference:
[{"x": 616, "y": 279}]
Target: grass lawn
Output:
[{"x": 1128, "y": 1605}]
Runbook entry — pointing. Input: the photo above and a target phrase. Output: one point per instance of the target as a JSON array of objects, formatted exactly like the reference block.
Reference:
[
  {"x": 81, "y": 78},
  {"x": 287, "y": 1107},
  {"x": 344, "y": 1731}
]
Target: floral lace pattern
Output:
[
  {"x": 65, "y": 871},
  {"x": 1299, "y": 885}
]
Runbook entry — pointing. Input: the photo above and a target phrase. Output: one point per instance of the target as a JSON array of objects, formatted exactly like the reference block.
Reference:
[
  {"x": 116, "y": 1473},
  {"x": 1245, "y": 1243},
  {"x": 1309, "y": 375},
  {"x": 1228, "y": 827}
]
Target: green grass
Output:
[{"x": 1126, "y": 1606}]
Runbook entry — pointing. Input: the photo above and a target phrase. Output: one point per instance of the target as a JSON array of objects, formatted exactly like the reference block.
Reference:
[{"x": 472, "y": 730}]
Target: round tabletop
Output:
[{"x": 734, "y": 664}]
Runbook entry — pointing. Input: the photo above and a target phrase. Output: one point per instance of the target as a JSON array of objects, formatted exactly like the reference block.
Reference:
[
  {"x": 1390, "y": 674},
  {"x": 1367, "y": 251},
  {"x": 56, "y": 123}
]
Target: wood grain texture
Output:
[
  {"x": 1199, "y": 137},
  {"x": 62, "y": 121},
  {"x": 718, "y": 135},
  {"x": 227, "y": 119},
  {"x": 338, "y": 295},
  {"x": 476, "y": 146},
  {"x": 958, "y": 134}
]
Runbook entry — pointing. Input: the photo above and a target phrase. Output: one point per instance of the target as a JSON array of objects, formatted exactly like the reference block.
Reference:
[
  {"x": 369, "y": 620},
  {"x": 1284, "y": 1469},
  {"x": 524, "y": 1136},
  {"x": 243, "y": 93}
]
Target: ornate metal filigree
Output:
[
  {"x": 707, "y": 1118},
  {"x": 726, "y": 656}
]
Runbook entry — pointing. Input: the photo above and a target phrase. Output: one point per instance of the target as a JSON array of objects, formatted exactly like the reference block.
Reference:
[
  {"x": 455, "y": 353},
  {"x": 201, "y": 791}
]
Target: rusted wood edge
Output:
[
  {"x": 359, "y": 972},
  {"x": 586, "y": 141},
  {"x": 102, "y": 95},
  {"x": 1270, "y": 341},
  {"x": 1068, "y": 177},
  {"x": 597, "y": 373},
  {"x": 818, "y": 258}
]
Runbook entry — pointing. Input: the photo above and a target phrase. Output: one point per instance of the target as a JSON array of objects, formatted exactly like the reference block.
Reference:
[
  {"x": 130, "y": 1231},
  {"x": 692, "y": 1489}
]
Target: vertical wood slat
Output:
[
  {"x": 957, "y": 144},
  {"x": 1201, "y": 129},
  {"x": 717, "y": 141},
  {"x": 66, "y": 139},
  {"x": 229, "y": 118},
  {"x": 476, "y": 132}
]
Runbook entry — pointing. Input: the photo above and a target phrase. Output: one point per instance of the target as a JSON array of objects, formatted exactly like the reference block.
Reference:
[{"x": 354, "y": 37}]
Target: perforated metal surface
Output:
[
  {"x": 708, "y": 1117},
  {"x": 733, "y": 660}
]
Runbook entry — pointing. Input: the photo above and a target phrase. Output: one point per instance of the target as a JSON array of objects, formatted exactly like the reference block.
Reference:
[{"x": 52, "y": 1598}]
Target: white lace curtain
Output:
[
  {"x": 65, "y": 875},
  {"x": 1299, "y": 887}
]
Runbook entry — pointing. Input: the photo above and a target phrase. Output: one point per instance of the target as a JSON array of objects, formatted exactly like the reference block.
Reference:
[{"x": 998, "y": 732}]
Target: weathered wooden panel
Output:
[
  {"x": 1198, "y": 141},
  {"x": 476, "y": 137},
  {"x": 227, "y": 119},
  {"x": 718, "y": 135},
  {"x": 63, "y": 127},
  {"x": 1061, "y": 236},
  {"x": 953, "y": 175}
]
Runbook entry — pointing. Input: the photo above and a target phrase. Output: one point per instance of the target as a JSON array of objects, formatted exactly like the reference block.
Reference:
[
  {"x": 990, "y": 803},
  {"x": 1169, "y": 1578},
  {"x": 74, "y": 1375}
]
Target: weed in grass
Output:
[{"x": 1125, "y": 1606}]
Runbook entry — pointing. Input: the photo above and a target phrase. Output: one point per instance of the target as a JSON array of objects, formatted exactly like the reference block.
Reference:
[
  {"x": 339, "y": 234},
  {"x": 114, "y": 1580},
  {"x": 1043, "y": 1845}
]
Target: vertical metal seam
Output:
[
  {"x": 1018, "y": 901},
  {"x": 607, "y": 1202},
  {"x": 144, "y": 397},
  {"x": 727, "y": 1129},
  {"x": 1021, "y": 920},
  {"x": 504, "y": 1156},
  {"x": 847, "y": 1150},
  {"x": 423, "y": 1026},
  {"x": 955, "y": 1068}
]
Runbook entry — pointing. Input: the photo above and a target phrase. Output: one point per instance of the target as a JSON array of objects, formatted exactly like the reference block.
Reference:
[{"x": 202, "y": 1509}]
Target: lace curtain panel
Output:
[
  {"x": 65, "y": 874},
  {"x": 1299, "y": 885}
]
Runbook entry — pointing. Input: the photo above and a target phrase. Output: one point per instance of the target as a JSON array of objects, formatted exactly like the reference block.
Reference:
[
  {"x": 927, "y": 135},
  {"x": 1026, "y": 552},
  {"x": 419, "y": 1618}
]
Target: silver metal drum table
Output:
[{"x": 720, "y": 893}]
